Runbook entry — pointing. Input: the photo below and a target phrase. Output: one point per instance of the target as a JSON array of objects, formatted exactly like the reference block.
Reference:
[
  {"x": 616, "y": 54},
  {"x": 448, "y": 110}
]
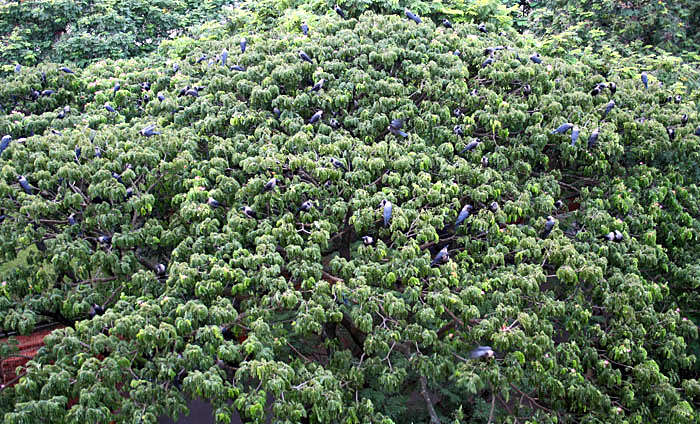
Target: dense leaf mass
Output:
[{"x": 571, "y": 265}]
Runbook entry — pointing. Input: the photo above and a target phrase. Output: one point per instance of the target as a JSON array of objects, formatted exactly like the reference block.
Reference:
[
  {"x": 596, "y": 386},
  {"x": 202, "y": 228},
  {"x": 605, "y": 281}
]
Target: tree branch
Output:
[{"x": 424, "y": 391}]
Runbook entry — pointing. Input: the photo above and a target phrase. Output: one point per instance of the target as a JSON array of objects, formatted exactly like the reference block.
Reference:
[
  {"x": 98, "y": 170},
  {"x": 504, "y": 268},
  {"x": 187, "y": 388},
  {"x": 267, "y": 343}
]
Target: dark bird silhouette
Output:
[
  {"x": 593, "y": 139},
  {"x": 224, "y": 57},
  {"x": 276, "y": 111},
  {"x": 618, "y": 236},
  {"x": 446, "y": 23},
  {"x": 412, "y": 16},
  {"x": 71, "y": 219},
  {"x": 117, "y": 177},
  {"x": 684, "y": 119},
  {"x": 316, "y": 116},
  {"x": 395, "y": 127},
  {"x": 574, "y": 135},
  {"x": 109, "y": 108},
  {"x": 494, "y": 207},
  {"x": 98, "y": 152},
  {"x": 596, "y": 90},
  {"x": 25, "y": 185},
  {"x": 563, "y": 128},
  {"x": 149, "y": 131},
  {"x": 471, "y": 146},
  {"x": 645, "y": 80},
  {"x": 4, "y": 143},
  {"x": 613, "y": 87},
  {"x": 270, "y": 185},
  {"x": 77, "y": 152},
  {"x": 304, "y": 56},
  {"x": 536, "y": 58},
  {"x": 192, "y": 92},
  {"x": 160, "y": 97},
  {"x": 47, "y": 92},
  {"x": 678, "y": 98},
  {"x": 304, "y": 29},
  {"x": 442, "y": 257},
  {"x": 145, "y": 86},
  {"x": 457, "y": 53},
  {"x": 334, "y": 123},
  {"x": 558, "y": 204},
  {"x": 482, "y": 27},
  {"x": 697, "y": 131},
  {"x": 609, "y": 236},
  {"x": 487, "y": 62},
  {"x": 160, "y": 269},
  {"x": 249, "y": 212},
  {"x": 339, "y": 11},
  {"x": 608, "y": 107},
  {"x": 548, "y": 226},
  {"x": 338, "y": 164},
  {"x": 116, "y": 88},
  {"x": 213, "y": 202},
  {"x": 244, "y": 44},
  {"x": 481, "y": 352},
  {"x": 66, "y": 70},
  {"x": 239, "y": 68},
  {"x": 463, "y": 214},
  {"x": 671, "y": 133},
  {"x": 35, "y": 94},
  {"x": 367, "y": 240},
  {"x": 183, "y": 91},
  {"x": 176, "y": 68},
  {"x": 527, "y": 90},
  {"x": 318, "y": 85},
  {"x": 201, "y": 59},
  {"x": 306, "y": 206},
  {"x": 458, "y": 130},
  {"x": 484, "y": 161},
  {"x": 95, "y": 310},
  {"x": 387, "y": 209},
  {"x": 104, "y": 239}
]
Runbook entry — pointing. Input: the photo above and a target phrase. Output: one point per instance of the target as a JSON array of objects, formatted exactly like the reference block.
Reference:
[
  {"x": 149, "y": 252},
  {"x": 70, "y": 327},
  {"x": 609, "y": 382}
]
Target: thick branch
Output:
[{"x": 424, "y": 391}]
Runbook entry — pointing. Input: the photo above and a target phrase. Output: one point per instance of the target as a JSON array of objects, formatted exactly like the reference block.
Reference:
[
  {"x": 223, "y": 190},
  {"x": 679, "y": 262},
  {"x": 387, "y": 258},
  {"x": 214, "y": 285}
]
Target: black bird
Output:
[
  {"x": 25, "y": 185},
  {"x": 276, "y": 111},
  {"x": 304, "y": 56},
  {"x": 595, "y": 91},
  {"x": 442, "y": 257},
  {"x": 183, "y": 91},
  {"x": 192, "y": 92},
  {"x": 484, "y": 161},
  {"x": 339, "y": 11},
  {"x": 471, "y": 146},
  {"x": 395, "y": 127},
  {"x": 224, "y": 57},
  {"x": 548, "y": 226},
  {"x": 244, "y": 44},
  {"x": 95, "y": 310},
  {"x": 481, "y": 352},
  {"x": 149, "y": 131},
  {"x": 608, "y": 107},
  {"x": 610, "y": 236},
  {"x": 494, "y": 207},
  {"x": 270, "y": 185},
  {"x": 117, "y": 177},
  {"x": 116, "y": 88},
  {"x": 563, "y": 128},
  {"x": 618, "y": 236},
  {"x": 338, "y": 164},
  {"x": 213, "y": 202},
  {"x": 527, "y": 90},
  {"x": 104, "y": 239},
  {"x": 66, "y": 70},
  {"x": 129, "y": 192},
  {"x": 18, "y": 68},
  {"x": 145, "y": 86},
  {"x": 318, "y": 85},
  {"x": 684, "y": 119},
  {"x": 671, "y": 133},
  {"x": 367, "y": 240},
  {"x": 5, "y": 142},
  {"x": 109, "y": 108},
  {"x": 160, "y": 269},
  {"x": 176, "y": 68},
  {"x": 334, "y": 123},
  {"x": 446, "y": 23},
  {"x": 316, "y": 116},
  {"x": 558, "y": 204},
  {"x": 412, "y": 16},
  {"x": 482, "y": 27},
  {"x": 678, "y": 98},
  {"x": 458, "y": 130},
  {"x": 239, "y": 68},
  {"x": 35, "y": 94},
  {"x": 536, "y": 58},
  {"x": 457, "y": 53},
  {"x": 53, "y": 131},
  {"x": 249, "y": 212},
  {"x": 612, "y": 87},
  {"x": 306, "y": 206},
  {"x": 98, "y": 152},
  {"x": 304, "y": 29},
  {"x": 161, "y": 97},
  {"x": 463, "y": 214},
  {"x": 574, "y": 135},
  {"x": 387, "y": 208},
  {"x": 593, "y": 139}
]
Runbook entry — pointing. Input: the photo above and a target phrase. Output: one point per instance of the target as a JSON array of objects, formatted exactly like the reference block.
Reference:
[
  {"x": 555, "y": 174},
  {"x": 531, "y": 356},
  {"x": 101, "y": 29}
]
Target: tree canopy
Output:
[{"x": 269, "y": 232}]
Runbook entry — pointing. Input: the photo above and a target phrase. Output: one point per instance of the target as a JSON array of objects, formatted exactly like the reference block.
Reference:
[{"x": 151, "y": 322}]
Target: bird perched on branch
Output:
[
  {"x": 463, "y": 214},
  {"x": 481, "y": 352},
  {"x": 149, "y": 131},
  {"x": 305, "y": 57},
  {"x": 339, "y": 11},
  {"x": 412, "y": 16},
  {"x": 441, "y": 257},
  {"x": 395, "y": 127},
  {"x": 645, "y": 80},
  {"x": 387, "y": 208},
  {"x": 316, "y": 116},
  {"x": 561, "y": 129},
  {"x": 249, "y": 212},
  {"x": 548, "y": 226},
  {"x": 593, "y": 139}
]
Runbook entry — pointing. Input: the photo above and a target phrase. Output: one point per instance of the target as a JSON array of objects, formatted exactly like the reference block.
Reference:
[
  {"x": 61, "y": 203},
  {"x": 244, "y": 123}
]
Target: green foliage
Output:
[
  {"x": 81, "y": 31},
  {"x": 290, "y": 315}
]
